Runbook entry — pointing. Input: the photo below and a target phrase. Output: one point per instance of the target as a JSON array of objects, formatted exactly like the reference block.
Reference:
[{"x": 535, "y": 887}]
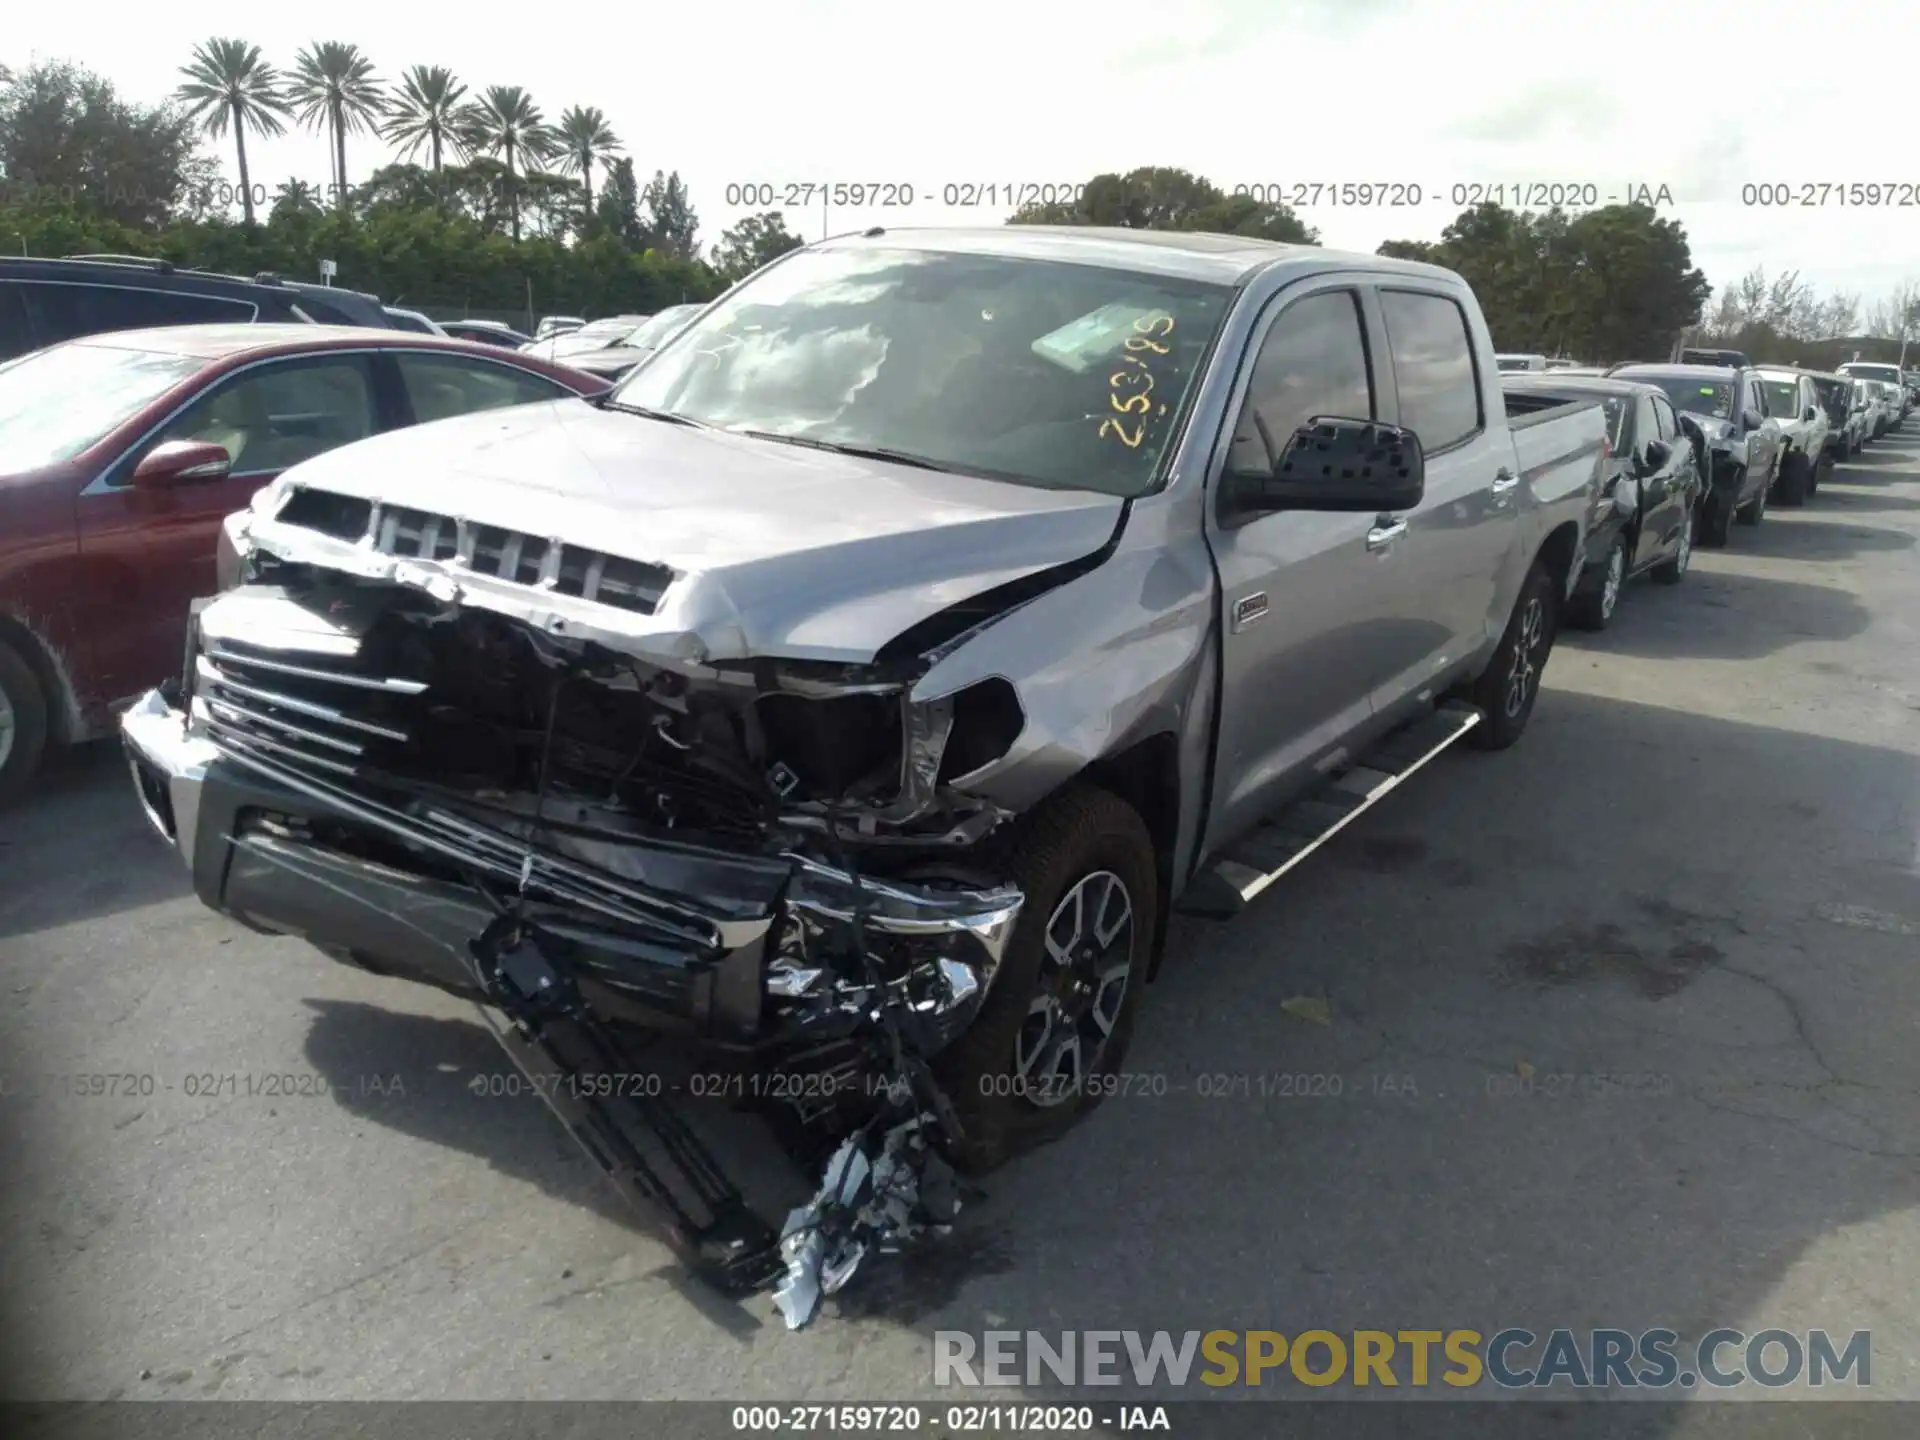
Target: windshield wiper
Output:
[
  {"x": 607, "y": 402},
  {"x": 860, "y": 452}
]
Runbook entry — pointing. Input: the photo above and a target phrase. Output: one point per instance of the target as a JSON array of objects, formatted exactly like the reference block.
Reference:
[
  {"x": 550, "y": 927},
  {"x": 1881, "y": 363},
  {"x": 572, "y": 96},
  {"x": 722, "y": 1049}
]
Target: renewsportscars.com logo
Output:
[{"x": 1511, "y": 1359}]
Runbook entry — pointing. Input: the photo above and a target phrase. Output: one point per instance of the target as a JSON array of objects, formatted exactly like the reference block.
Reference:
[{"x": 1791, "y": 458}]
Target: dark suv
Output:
[{"x": 43, "y": 302}]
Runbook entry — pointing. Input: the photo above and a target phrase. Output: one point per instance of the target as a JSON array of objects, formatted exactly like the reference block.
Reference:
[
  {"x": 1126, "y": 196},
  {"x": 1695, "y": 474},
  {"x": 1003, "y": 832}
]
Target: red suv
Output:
[{"x": 121, "y": 453}]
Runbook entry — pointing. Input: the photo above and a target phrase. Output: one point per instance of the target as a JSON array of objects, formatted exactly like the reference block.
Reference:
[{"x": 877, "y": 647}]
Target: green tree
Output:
[
  {"x": 669, "y": 222},
  {"x": 1615, "y": 283},
  {"x": 295, "y": 197},
  {"x": 337, "y": 92},
  {"x": 1159, "y": 197},
  {"x": 423, "y": 113},
  {"x": 68, "y": 141},
  {"x": 505, "y": 122},
  {"x": 584, "y": 138},
  {"x": 752, "y": 243},
  {"x": 229, "y": 86},
  {"x": 618, "y": 210}
]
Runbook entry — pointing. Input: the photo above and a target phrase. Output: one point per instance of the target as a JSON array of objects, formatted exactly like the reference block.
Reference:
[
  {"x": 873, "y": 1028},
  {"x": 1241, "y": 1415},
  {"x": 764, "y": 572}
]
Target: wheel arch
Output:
[
  {"x": 1146, "y": 775},
  {"x": 1559, "y": 552}
]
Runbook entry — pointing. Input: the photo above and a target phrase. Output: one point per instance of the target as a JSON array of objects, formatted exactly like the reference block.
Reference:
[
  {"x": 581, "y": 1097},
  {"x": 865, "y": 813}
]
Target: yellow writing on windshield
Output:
[{"x": 1131, "y": 384}]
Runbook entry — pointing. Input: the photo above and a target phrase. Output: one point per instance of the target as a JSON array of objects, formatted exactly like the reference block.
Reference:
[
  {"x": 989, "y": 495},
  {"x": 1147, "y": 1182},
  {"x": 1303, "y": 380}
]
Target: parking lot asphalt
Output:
[{"x": 1698, "y": 873}]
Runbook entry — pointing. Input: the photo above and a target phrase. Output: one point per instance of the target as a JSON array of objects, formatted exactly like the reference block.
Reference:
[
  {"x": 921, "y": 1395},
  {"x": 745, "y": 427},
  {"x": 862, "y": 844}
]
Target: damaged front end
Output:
[{"x": 609, "y": 842}]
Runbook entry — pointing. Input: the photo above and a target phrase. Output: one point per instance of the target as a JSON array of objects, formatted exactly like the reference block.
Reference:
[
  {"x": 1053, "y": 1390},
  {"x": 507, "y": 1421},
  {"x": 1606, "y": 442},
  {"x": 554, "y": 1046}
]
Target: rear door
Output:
[
  {"x": 438, "y": 384},
  {"x": 1446, "y": 566},
  {"x": 154, "y": 550}
]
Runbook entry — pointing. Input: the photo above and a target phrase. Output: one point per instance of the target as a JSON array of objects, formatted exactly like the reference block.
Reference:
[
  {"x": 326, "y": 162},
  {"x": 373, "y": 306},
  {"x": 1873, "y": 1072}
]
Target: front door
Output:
[
  {"x": 1303, "y": 593},
  {"x": 152, "y": 551}
]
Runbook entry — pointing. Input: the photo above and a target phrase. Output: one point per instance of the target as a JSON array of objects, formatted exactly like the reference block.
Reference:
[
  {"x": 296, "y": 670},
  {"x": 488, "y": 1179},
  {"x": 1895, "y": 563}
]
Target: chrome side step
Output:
[{"x": 1235, "y": 877}]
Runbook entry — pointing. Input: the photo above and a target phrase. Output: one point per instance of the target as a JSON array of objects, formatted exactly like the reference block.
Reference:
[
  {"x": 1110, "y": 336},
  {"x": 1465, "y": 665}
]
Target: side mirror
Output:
[
  {"x": 181, "y": 462},
  {"x": 1333, "y": 463},
  {"x": 1749, "y": 421},
  {"x": 1653, "y": 455},
  {"x": 1810, "y": 414}
]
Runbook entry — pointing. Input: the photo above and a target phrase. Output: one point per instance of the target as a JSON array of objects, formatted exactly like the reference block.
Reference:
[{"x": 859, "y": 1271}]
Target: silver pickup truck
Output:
[{"x": 852, "y": 693}]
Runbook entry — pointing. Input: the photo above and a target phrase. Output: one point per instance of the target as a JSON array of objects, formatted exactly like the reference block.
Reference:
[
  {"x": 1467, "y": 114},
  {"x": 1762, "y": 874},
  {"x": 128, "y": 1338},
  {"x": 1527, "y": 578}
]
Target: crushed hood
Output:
[{"x": 774, "y": 549}]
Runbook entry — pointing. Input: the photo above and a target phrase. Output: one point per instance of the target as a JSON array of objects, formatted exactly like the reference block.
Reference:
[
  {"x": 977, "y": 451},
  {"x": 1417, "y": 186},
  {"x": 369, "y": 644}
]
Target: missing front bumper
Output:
[{"x": 886, "y": 970}]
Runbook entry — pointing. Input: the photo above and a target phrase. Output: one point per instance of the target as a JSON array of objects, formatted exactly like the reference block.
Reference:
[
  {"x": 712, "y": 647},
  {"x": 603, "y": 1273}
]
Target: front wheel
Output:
[
  {"x": 23, "y": 724},
  {"x": 1593, "y": 605},
  {"x": 1671, "y": 572},
  {"x": 1796, "y": 479},
  {"x": 1716, "y": 519},
  {"x": 1049, "y": 1041},
  {"x": 1508, "y": 687}
]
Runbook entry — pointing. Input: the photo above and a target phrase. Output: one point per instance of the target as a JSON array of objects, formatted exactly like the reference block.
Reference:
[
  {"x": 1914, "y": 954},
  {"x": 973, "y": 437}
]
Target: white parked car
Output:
[
  {"x": 1887, "y": 375},
  {"x": 1793, "y": 401},
  {"x": 1516, "y": 362}
]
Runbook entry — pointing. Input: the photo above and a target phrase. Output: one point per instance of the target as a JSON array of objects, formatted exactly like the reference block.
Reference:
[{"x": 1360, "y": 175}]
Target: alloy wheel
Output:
[
  {"x": 6, "y": 727},
  {"x": 1525, "y": 671},
  {"x": 1083, "y": 984},
  {"x": 1615, "y": 578}
]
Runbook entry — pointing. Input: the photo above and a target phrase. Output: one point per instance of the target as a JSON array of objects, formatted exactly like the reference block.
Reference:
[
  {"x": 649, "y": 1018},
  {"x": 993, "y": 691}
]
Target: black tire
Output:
[
  {"x": 1593, "y": 604},
  {"x": 1755, "y": 510},
  {"x": 1716, "y": 521},
  {"x": 1672, "y": 572},
  {"x": 1796, "y": 480},
  {"x": 1509, "y": 686},
  {"x": 23, "y": 724},
  {"x": 1078, "y": 835}
]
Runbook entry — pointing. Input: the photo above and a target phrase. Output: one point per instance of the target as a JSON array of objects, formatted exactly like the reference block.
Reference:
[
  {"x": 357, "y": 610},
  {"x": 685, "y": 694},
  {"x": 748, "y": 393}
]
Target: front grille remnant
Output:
[
  {"x": 523, "y": 559},
  {"x": 315, "y": 712}
]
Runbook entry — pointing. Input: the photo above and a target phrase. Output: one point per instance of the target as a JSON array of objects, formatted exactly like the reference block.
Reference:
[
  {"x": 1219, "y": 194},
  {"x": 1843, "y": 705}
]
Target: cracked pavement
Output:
[{"x": 1621, "y": 1031}]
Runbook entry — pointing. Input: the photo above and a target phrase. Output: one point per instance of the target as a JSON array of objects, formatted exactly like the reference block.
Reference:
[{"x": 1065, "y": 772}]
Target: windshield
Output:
[
  {"x": 1889, "y": 373},
  {"x": 1696, "y": 397},
  {"x": 56, "y": 403},
  {"x": 1783, "y": 398},
  {"x": 661, "y": 328},
  {"x": 1043, "y": 373}
]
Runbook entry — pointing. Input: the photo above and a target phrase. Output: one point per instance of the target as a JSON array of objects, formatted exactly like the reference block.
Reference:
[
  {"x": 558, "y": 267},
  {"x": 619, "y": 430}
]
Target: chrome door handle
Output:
[
  {"x": 1381, "y": 536},
  {"x": 1504, "y": 480}
]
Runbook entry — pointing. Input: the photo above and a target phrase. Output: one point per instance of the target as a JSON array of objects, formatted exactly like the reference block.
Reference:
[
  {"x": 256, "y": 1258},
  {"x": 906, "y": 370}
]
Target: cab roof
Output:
[{"x": 1180, "y": 254}]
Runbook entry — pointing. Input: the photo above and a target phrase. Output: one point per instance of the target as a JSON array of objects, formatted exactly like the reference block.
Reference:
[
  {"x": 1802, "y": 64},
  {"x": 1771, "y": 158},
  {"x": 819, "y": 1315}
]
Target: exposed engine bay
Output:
[{"x": 768, "y": 858}]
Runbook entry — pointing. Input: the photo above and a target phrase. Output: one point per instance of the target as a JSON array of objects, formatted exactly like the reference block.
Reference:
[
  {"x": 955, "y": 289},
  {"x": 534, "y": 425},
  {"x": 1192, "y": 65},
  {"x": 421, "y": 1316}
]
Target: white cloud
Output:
[{"x": 998, "y": 92}]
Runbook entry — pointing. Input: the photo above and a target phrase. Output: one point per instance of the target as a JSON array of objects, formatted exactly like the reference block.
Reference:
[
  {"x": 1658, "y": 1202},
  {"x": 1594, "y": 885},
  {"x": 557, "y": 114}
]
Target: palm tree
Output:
[
  {"x": 584, "y": 137},
  {"x": 504, "y": 121},
  {"x": 295, "y": 197},
  {"x": 229, "y": 85},
  {"x": 424, "y": 113},
  {"x": 338, "y": 93}
]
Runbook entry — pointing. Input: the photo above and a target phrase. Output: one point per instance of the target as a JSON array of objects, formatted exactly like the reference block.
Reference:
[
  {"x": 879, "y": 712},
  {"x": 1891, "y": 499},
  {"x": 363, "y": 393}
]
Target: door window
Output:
[
  {"x": 15, "y": 337},
  {"x": 279, "y": 414},
  {"x": 61, "y": 311},
  {"x": 1666, "y": 423},
  {"x": 1433, "y": 367},
  {"x": 445, "y": 385},
  {"x": 1312, "y": 362}
]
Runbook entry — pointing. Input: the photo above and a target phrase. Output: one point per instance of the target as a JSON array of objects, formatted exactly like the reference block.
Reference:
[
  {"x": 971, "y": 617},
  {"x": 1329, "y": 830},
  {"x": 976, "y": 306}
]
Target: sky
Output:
[{"x": 1727, "y": 106}]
